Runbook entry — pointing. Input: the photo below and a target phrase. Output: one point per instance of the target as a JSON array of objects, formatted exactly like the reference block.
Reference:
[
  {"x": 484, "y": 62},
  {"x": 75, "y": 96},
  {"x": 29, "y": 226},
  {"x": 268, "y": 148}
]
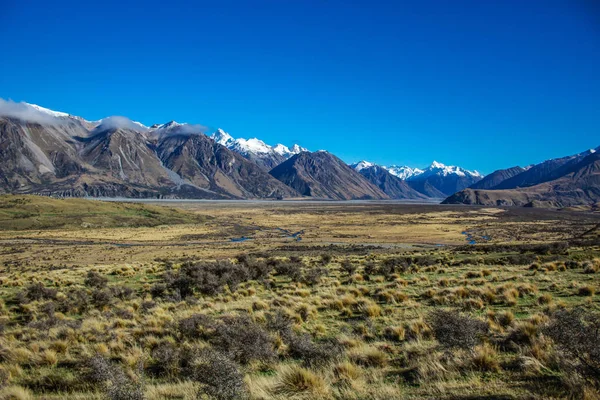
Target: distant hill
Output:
[
  {"x": 39, "y": 212},
  {"x": 323, "y": 175},
  {"x": 579, "y": 184},
  {"x": 496, "y": 178},
  {"x": 543, "y": 172}
]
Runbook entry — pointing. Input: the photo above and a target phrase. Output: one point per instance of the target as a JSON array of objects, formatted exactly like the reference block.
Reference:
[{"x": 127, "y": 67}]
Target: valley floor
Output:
[{"x": 307, "y": 300}]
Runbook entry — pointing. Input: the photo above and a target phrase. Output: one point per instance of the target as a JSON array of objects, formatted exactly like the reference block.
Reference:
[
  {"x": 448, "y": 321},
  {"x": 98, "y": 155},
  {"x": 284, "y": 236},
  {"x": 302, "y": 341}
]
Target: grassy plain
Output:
[{"x": 324, "y": 300}]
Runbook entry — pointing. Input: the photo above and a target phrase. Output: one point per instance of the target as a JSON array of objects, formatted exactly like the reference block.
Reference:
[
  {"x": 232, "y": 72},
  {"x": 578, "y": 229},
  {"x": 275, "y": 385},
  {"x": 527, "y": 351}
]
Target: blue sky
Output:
[{"x": 482, "y": 84}]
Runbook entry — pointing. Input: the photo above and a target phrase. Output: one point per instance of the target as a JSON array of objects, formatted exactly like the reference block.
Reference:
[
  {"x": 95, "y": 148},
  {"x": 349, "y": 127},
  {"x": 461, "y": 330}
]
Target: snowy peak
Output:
[
  {"x": 362, "y": 165},
  {"x": 169, "y": 125},
  {"x": 254, "y": 147},
  {"x": 437, "y": 168},
  {"x": 288, "y": 152},
  {"x": 403, "y": 172},
  {"x": 47, "y": 111},
  {"x": 222, "y": 137},
  {"x": 296, "y": 149}
]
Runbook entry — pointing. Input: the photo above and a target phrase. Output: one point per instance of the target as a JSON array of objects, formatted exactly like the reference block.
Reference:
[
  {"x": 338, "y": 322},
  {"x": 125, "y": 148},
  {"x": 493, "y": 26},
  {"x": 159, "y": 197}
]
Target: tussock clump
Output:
[
  {"x": 395, "y": 333},
  {"x": 522, "y": 334},
  {"x": 368, "y": 308},
  {"x": 347, "y": 372},
  {"x": 591, "y": 267},
  {"x": 16, "y": 393},
  {"x": 296, "y": 381},
  {"x": 368, "y": 356},
  {"x": 505, "y": 318},
  {"x": 485, "y": 358},
  {"x": 544, "y": 299}
]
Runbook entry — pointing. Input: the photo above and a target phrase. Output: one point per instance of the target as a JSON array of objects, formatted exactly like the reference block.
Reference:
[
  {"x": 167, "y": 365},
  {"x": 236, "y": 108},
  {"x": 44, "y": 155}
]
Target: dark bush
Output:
[
  {"x": 370, "y": 268},
  {"x": 313, "y": 276},
  {"x": 326, "y": 258},
  {"x": 280, "y": 322},
  {"x": 95, "y": 280},
  {"x": 207, "y": 278},
  {"x": 122, "y": 292},
  {"x": 196, "y": 326},
  {"x": 260, "y": 270},
  {"x": 102, "y": 298},
  {"x": 36, "y": 292},
  {"x": 453, "y": 329},
  {"x": 4, "y": 377},
  {"x": 243, "y": 339},
  {"x": 291, "y": 270},
  {"x": 349, "y": 267},
  {"x": 158, "y": 290},
  {"x": 577, "y": 333},
  {"x": 219, "y": 376},
  {"x": 146, "y": 306},
  {"x": 76, "y": 301},
  {"x": 165, "y": 361},
  {"x": 115, "y": 383},
  {"x": 313, "y": 354}
]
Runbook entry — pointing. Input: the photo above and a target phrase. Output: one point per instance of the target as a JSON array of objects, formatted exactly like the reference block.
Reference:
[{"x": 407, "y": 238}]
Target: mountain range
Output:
[
  {"x": 557, "y": 183},
  {"x": 54, "y": 153},
  {"x": 436, "y": 181}
]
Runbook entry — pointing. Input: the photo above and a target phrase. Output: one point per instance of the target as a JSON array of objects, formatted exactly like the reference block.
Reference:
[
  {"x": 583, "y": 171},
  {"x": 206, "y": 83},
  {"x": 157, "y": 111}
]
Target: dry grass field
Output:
[{"x": 280, "y": 300}]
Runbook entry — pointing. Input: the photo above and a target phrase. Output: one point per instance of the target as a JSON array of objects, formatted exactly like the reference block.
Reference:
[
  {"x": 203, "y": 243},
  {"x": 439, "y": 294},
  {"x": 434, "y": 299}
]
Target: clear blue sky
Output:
[{"x": 481, "y": 84}]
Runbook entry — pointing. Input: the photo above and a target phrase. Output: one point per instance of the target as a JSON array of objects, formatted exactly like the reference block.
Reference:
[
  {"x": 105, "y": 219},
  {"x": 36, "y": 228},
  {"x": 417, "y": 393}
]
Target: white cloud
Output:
[
  {"x": 118, "y": 122},
  {"x": 27, "y": 113}
]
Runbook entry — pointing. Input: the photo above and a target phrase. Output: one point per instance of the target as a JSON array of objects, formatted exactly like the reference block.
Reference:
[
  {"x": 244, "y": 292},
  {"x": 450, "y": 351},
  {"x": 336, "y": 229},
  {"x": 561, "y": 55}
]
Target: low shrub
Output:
[{"x": 453, "y": 329}]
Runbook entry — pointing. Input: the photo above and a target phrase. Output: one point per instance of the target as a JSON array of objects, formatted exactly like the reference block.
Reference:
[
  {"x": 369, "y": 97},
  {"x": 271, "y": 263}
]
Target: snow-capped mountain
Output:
[
  {"x": 27, "y": 109},
  {"x": 256, "y": 150},
  {"x": 440, "y": 169},
  {"x": 391, "y": 185},
  {"x": 403, "y": 172},
  {"x": 435, "y": 181},
  {"x": 362, "y": 165},
  {"x": 439, "y": 180},
  {"x": 47, "y": 111}
]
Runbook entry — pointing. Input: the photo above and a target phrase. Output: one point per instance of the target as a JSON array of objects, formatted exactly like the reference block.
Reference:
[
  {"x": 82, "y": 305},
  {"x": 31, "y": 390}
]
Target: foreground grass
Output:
[
  {"x": 500, "y": 320},
  {"x": 343, "y": 327}
]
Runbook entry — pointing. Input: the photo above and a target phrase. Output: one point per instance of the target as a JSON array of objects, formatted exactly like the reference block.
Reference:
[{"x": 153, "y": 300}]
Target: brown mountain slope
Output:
[
  {"x": 323, "y": 175},
  {"x": 126, "y": 155},
  {"x": 211, "y": 166},
  {"x": 65, "y": 158},
  {"x": 495, "y": 178},
  {"x": 34, "y": 155},
  {"x": 580, "y": 185}
]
